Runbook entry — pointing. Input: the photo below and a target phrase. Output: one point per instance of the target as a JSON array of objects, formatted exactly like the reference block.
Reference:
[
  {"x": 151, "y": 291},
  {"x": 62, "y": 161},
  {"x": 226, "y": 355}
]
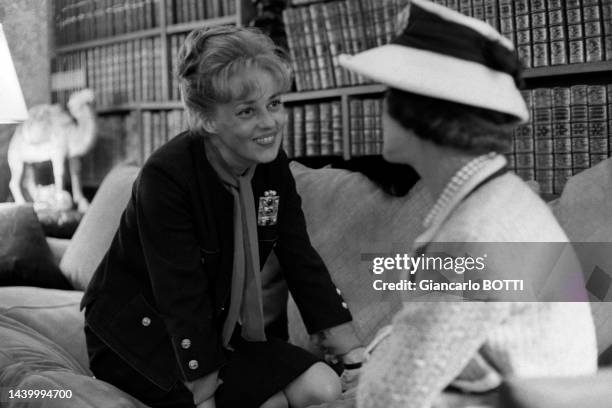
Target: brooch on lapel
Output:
[{"x": 268, "y": 208}]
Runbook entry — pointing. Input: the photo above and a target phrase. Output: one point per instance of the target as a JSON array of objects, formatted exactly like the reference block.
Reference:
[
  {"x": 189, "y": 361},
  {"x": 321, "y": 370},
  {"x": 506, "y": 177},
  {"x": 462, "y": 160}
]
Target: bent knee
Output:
[{"x": 316, "y": 385}]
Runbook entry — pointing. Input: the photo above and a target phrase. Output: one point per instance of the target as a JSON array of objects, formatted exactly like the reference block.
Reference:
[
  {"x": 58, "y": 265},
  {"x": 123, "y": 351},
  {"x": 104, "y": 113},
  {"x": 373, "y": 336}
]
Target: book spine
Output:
[
  {"x": 147, "y": 134},
  {"x": 174, "y": 45},
  {"x": 593, "y": 30},
  {"x": 478, "y": 9},
  {"x": 378, "y": 134},
  {"x": 369, "y": 144},
  {"x": 492, "y": 13},
  {"x": 542, "y": 119},
  {"x": 606, "y": 17},
  {"x": 465, "y": 7},
  {"x": 598, "y": 123},
  {"x": 539, "y": 33},
  {"x": 145, "y": 57},
  {"x": 156, "y": 133},
  {"x": 334, "y": 39},
  {"x": 367, "y": 20},
  {"x": 336, "y": 112},
  {"x": 356, "y": 126},
  {"x": 298, "y": 131},
  {"x": 156, "y": 11},
  {"x": 562, "y": 145},
  {"x": 575, "y": 31},
  {"x": 200, "y": 13},
  {"x": 158, "y": 69},
  {"x": 288, "y": 133},
  {"x": 357, "y": 32},
  {"x": 579, "y": 126},
  {"x": 170, "y": 12},
  {"x": 124, "y": 72},
  {"x": 326, "y": 128},
  {"x": 506, "y": 19},
  {"x": 138, "y": 77},
  {"x": 131, "y": 97},
  {"x": 311, "y": 129},
  {"x": 609, "y": 98},
  {"x": 347, "y": 39},
  {"x": 378, "y": 13},
  {"x": 557, "y": 32},
  {"x": 524, "y": 143},
  {"x": 309, "y": 43},
  {"x": 321, "y": 49},
  {"x": 524, "y": 34}
]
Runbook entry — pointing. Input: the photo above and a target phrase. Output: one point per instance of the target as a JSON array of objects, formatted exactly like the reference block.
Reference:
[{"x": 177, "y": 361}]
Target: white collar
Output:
[{"x": 460, "y": 185}]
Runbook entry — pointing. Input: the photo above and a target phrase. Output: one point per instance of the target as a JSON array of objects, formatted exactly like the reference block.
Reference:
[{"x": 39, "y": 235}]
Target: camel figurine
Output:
[{"x": 51, "y": 134}]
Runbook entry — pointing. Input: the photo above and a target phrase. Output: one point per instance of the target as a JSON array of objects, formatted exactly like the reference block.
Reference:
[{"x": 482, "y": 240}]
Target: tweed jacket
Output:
[
  {"x": 160, "y": 295},
  {"x": 474, "y": 345}
]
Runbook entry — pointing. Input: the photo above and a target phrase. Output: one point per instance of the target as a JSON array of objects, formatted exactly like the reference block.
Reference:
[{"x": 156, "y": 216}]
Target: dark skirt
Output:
[{"x": 254, "y": 372}]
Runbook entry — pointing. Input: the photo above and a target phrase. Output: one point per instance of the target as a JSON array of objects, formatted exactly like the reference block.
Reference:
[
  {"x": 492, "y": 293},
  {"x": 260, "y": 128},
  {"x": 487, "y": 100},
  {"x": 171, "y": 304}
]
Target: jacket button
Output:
[
  {"x": 338, "y": 291},
  {"x": 344, "y": 305},
  {"x": 193, "y": 364},
  {"x": 185, "y": 343},
  {"x": 146, "y": 321},
  {"x": 202, "y": 260}
]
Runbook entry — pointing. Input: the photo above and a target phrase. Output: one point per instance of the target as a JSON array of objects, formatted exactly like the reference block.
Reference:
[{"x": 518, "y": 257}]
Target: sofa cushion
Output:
[
  {"x": 30, "y": 361},
  {"x": 92, "y": 238},
  {"x": 52, "y": 313},
  {"x": 348, "y": 218},
  {"x": 584, "y": 210},
  {"x": 25, "y": 257}
]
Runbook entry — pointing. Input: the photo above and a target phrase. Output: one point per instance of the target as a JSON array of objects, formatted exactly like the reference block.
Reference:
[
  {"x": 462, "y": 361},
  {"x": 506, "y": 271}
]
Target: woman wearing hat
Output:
[
  {"x": 176, "y": 313},
  {"x": 449, "y": 112}
]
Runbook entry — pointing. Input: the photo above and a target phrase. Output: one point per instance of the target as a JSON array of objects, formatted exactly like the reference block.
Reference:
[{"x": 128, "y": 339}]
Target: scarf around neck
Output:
[{"x": 246, "y": 301}]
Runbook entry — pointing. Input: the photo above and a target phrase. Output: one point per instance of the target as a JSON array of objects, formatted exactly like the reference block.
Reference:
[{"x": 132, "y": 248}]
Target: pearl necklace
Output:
[{"x": 454, "y": 185}]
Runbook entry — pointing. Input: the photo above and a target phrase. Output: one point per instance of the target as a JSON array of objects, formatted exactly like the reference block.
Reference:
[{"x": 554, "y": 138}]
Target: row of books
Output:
[
  {"x": 83, "y": 20},
  {"x": 181, "y": 11},
  {"x": 548, "y": 32},
  {"x": 545, "y": 32},
  {"x": 129, "y": 71},
  {"x": 570, "y": 130},
  {"x": 315, "y": 129},
  {"x": 319, "y": 32},
  {"x": 129, "y": 138},
  {"x": 117, "y": 134},
  {"x": 175, "y": 44}
]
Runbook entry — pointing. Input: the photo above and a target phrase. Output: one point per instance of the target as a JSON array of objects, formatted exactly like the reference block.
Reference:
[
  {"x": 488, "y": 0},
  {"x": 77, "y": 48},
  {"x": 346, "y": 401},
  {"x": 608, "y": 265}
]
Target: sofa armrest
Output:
[{"x": 58, "y": 248}]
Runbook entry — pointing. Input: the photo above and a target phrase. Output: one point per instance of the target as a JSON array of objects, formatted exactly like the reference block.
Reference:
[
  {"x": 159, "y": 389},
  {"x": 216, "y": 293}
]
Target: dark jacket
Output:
[{"x": 160, "y": 295}]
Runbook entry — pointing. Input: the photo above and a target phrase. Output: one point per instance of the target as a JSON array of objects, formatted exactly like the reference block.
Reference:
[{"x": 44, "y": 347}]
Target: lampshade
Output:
[{"x": 12, "y": 106}]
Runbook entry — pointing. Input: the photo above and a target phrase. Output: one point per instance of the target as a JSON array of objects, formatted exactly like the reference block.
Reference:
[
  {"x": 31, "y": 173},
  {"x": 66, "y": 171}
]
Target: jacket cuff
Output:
[
  {"x": 339, "y": 339},
  {"x": 197, "y": 358}
]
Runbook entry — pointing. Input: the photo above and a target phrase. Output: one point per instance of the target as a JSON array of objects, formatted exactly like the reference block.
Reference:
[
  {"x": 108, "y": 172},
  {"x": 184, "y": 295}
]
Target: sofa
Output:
[{"x": 349, "y": 219}]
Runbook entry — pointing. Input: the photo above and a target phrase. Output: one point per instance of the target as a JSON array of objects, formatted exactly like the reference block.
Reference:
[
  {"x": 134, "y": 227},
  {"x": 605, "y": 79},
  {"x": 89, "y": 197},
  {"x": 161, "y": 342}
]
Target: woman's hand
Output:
[
  {"x": 203, "y": 390},
  {"x": 352, "y": 362}
]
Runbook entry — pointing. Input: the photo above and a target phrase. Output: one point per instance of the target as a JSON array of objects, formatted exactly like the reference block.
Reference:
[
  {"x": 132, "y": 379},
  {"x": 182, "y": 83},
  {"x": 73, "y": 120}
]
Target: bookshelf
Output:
[
  {"x": 125, "y": 50},
  {"x": 334, "y": 115},
  {"x": 565, "y": 47}
]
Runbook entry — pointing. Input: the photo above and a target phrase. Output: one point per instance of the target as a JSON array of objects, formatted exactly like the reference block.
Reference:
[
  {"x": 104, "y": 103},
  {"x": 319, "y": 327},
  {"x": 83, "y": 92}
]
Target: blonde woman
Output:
[{"x": 175, "y": 312}]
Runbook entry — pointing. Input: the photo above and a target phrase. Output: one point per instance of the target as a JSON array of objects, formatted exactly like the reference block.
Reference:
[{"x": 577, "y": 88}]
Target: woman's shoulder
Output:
[
  {"x": 174, "y": 156},
  {"x": 505, "y": 209}
]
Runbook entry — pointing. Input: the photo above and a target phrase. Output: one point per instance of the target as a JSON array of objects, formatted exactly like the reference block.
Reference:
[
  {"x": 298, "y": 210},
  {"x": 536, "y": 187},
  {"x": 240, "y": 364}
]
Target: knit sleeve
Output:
[{"x": 430, "y": 344}]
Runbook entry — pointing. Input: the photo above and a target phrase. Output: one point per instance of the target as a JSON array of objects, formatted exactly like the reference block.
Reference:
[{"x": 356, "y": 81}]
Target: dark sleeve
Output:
[
  {"x": 181, "y": 287},
  {"x": 319, "y": 301}
]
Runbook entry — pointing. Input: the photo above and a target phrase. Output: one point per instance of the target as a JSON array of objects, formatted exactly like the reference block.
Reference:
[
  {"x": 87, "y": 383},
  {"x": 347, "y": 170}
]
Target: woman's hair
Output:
[
  {"x": 464, "y": 127},
  {"x": 211, "y": 67}
]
